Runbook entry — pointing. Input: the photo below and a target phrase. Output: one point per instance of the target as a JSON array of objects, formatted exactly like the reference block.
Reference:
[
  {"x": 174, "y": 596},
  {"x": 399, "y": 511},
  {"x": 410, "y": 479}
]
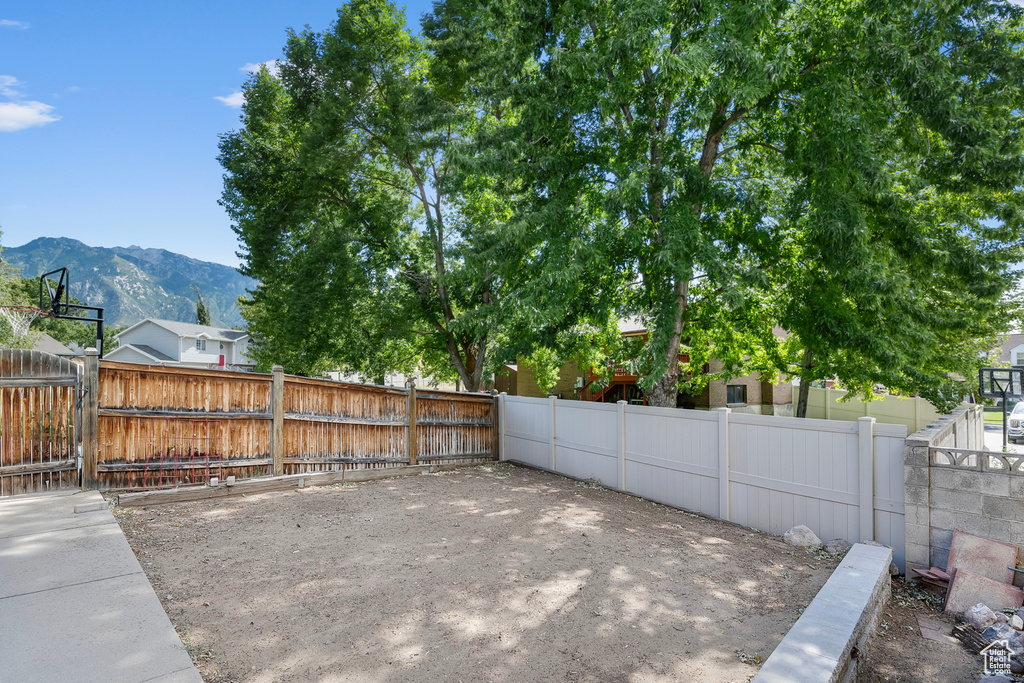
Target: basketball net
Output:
[{"x": 20, "y": 318}]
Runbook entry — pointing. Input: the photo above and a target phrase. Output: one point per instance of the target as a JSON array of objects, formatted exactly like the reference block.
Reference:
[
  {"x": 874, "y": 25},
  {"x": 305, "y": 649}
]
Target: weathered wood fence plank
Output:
[
  {"x": 38, "y": 429},
  {"x": 163, "y": 427}
]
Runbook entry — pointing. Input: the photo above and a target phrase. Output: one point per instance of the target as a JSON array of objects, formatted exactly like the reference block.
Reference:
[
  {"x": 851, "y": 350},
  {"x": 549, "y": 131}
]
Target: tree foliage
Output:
[
  {"x": 524, "y": 174},
  {"x": 847, "y": 171},
  {"x": 367, "y": 251},
  {"x": 202, "y": 312},
  {"x": 11, "y": 294}
]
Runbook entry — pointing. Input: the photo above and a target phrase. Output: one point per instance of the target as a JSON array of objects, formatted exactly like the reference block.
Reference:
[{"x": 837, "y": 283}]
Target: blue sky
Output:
[{"x": 109, "y": 116}]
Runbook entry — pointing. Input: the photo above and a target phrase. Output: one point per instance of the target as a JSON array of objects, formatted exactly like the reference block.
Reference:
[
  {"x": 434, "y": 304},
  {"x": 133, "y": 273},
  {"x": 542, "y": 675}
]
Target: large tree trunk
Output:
[
  {"x": 805, "y": 384},
  {"x": 665, "y": 391},
  {"x": 468, "y": 361}
]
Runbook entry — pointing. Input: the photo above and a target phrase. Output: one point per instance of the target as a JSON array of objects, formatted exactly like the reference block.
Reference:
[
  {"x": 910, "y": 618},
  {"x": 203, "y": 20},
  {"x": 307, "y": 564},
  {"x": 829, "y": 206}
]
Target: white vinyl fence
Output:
[
  {"x": 915, "y": 413},
  {"x": 842, "y": 479}
]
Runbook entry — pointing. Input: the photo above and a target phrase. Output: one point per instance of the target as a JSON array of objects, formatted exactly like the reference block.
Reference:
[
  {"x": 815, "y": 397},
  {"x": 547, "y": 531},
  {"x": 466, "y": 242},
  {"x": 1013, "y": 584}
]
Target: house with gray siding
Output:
[{"x": 168, "y": 342}]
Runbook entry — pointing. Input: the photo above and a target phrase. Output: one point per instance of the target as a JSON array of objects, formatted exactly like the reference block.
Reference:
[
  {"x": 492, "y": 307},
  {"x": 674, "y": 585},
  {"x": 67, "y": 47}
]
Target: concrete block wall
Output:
[
  {"x": 940, "y": 500},
  {"x": 989, "y": 504},
  {"x": 916, "y": 502}
]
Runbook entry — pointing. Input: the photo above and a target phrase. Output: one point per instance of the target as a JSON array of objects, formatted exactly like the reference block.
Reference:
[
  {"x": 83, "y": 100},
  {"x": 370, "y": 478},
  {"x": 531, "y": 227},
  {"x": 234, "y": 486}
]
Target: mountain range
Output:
[{"x": 132, "y": 283}]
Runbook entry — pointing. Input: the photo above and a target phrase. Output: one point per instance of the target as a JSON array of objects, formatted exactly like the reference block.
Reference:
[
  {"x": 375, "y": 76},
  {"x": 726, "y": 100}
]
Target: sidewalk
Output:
[{"x": 74, "y": 603}]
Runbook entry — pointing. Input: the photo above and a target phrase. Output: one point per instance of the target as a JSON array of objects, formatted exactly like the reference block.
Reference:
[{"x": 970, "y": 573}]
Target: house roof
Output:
[
  {"x": 149, "y": 350},
  {"x": 1009, "y": 342},
  {"x": 142, "y": 349},
  {"x": 191, "y": 330},
  {"x": 48, "y": 344}
]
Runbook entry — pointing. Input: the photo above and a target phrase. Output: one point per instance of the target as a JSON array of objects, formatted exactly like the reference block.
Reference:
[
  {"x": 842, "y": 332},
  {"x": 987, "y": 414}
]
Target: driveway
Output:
[{"x": 994, "y": 439}]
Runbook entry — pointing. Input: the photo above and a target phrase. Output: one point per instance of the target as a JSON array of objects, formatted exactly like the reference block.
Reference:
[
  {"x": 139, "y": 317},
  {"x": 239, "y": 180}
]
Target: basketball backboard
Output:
[
  {"x": 53, "y": 291},
  {"x": 1001, "y": 382}
]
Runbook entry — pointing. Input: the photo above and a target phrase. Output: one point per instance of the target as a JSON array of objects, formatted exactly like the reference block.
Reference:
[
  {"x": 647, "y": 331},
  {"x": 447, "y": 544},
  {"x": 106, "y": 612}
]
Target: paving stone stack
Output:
[{"x": 990, "y": 628}]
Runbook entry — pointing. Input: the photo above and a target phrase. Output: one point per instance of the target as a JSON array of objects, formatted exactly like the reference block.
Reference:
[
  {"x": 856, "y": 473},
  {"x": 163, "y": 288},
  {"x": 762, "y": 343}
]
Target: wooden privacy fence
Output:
[
  {"x": 159, "y": 427},
  {"x": 842, "y": 479},
  {"x": 38, "y": 427}
]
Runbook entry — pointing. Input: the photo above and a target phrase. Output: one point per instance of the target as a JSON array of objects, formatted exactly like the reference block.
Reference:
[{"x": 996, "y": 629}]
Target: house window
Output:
[
  {"x": 200, "y": 344},
  {"x": 1018, "y": 358},
  {"x": 736, "y": 393}
]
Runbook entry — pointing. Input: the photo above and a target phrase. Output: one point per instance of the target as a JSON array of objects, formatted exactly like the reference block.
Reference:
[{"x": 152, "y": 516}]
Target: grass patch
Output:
[{"x": 994, "y": 417}]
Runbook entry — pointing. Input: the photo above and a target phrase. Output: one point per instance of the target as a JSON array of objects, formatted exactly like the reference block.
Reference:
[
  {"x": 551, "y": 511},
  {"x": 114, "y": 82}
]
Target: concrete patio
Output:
[{"x": 75, "y": 605}]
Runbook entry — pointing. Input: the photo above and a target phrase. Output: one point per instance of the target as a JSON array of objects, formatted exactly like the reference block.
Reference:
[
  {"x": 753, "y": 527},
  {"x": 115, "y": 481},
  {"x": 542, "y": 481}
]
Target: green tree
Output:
[
  {"x": 202, "y": 312},
  {"x": 903, "y": 220},
  {"x": 341, "y": 189},
  {"x": 846, "y": 170},
  {"x": 11, "y": 294}
]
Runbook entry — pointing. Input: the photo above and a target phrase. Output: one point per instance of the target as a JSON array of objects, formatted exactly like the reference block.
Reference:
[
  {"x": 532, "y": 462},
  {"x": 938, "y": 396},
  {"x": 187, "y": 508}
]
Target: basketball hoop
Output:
[{"x": 20, "y": 318}]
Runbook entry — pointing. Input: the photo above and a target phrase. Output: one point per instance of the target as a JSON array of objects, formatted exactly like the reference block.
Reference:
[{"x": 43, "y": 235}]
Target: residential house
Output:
[
  {"x": 1011, "y": 350},
  {"x": 746, "y": 394},
  {"x": 168, "y": 342}
]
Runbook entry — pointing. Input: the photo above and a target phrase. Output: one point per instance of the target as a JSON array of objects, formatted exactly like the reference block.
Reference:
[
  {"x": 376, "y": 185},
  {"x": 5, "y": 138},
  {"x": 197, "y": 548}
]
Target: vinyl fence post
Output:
[
  {"x": 410, "y": 412},
  {"x": 723, "y": 463},
  {"x": 501, "y": 427},
  {"x": 277, "y": 410},
  {"x": 554, "y": 462},
  {"x": 90, "y": 420},
  {"x": 866, "y": 452},
  {"x": 495, "y": 424},
  {"x": 622, "y": 445}
]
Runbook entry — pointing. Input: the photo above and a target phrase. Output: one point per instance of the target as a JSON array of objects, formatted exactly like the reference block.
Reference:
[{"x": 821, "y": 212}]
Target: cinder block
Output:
[
  {"x": 1003, "y": 508},
  {"x": 917, "y": 533},
  {"x": 918, "y": 554},
  {"x": 917, "y": 515},
  {"x": 1016, "y": 483},
  {"x": 915, "y": 495},
  {"x": 939, "y": 557},
  {"x": 961, "y": 501},
  {"x": 1015, "y": 533},
  {"x": 915, "y": 456},
  {"x": 979, "y": 525},
  {"x": 942, "y": 477},
  {"x": 941, "y": 538},
  {"x": 967, "y": 480},
  {"x": 993, "y": 483},
  {"x": 919, "y": 476},
  {"x": 998, "y": 530}
]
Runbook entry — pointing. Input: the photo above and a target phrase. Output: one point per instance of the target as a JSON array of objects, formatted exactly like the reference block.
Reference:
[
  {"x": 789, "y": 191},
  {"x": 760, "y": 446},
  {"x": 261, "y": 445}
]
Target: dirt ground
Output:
[
  {"x": 899, "y": 653},
  {"x": 494, "y": 573}
]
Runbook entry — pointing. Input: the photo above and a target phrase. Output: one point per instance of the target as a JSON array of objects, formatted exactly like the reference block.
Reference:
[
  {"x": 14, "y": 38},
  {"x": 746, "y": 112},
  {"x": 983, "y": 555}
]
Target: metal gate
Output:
[{"x": 40, "y": 419}]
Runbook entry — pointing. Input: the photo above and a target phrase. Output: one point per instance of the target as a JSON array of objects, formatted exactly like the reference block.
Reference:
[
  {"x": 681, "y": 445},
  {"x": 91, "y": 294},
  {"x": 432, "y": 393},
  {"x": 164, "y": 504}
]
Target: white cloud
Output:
[
  {"x": 273, "y": 66},
  {"x": 18, "y": 115},
  {"x": 10, "y": 23},
  {"x": 235, "y": 99},
  {"x": 7, "y": 86}
]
